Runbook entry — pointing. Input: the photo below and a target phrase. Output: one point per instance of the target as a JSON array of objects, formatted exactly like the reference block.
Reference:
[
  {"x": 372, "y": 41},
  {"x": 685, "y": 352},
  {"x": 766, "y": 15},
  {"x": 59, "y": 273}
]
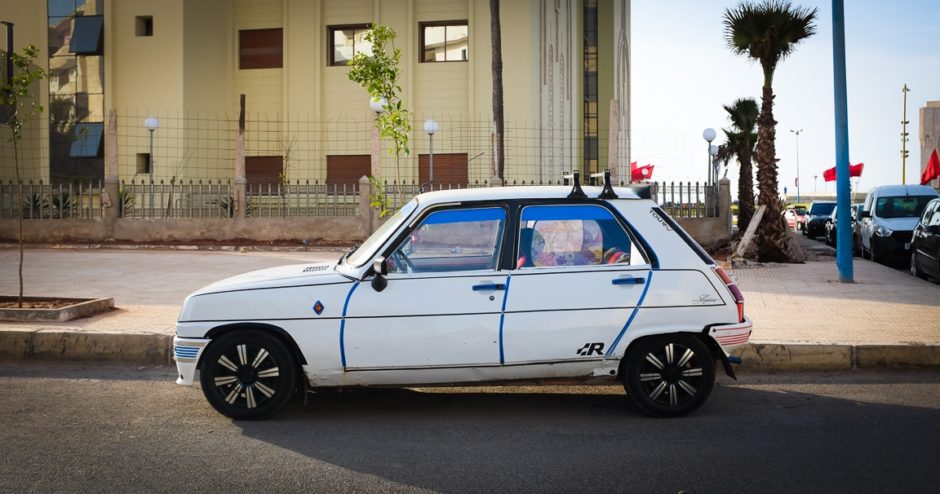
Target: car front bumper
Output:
[
  {"x": 897, "y": 245},
  {"x": 186, "y": 353}
]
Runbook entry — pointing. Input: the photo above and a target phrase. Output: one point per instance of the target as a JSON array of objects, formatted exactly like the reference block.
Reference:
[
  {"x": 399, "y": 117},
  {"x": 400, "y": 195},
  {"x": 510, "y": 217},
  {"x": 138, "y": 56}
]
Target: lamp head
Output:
[
  {"x": 709, "y": 134},
  {"x": 430, "y": 126},
  {"x": 152, "y": 123},
  {"x": 377, "y": 104}
]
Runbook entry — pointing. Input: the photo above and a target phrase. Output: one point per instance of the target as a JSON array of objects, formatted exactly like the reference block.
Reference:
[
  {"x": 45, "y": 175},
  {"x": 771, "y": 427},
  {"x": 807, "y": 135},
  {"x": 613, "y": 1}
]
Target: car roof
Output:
[
  {"x": 904, "y": 190},
  {"x": 515, "y": 192}
]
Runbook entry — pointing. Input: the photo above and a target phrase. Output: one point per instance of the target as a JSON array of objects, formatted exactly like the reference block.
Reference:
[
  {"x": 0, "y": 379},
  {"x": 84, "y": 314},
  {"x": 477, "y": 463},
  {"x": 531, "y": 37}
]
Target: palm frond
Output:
[{"x": 767, "y": 31}]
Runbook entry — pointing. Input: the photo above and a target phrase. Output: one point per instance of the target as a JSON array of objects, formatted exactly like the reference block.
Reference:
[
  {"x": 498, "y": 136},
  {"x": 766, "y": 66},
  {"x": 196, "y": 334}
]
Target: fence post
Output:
[
  {"x": 111, "y": 195},
  {"x": 240, "y": 183},
  {"x": 365, "y": 211},
  {"x": 724, "y": 203}
]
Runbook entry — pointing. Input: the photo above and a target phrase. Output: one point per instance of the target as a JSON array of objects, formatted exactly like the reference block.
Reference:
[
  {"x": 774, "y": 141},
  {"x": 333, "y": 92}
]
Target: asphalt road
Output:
[{"x": 72, "y": 427}]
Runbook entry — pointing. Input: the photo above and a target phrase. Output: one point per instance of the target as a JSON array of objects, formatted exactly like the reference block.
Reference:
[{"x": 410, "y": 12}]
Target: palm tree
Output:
[
  {"x": 741, "y": 139},
  {"x": 768, "y": 32},
  {"x": 497, "y": 67}
]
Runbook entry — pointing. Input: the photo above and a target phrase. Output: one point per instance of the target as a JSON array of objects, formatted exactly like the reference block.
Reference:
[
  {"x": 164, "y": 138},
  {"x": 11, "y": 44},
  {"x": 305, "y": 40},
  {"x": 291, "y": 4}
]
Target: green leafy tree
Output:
[
  {"x": 741, "y": 140},
  {"x": 379, "y": 73},
  {"x": 768, "y": 32},
  {"x": 22, "y": 105}
]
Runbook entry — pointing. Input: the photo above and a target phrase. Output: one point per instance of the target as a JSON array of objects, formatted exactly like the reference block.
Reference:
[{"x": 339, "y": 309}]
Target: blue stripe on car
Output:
[
  {"x": 342, "y": 325},
  {"x": 613, "y": 346},
  {"x": 502, "y": 317}
]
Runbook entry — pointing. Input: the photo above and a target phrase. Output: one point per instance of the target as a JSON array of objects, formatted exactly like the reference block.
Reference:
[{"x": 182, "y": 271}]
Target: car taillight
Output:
[{"x": 734, "y": 290}]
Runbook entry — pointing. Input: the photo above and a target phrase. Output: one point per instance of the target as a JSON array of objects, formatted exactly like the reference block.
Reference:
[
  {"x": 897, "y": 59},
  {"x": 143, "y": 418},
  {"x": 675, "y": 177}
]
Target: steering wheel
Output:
[{"x": 399, "y": 258}]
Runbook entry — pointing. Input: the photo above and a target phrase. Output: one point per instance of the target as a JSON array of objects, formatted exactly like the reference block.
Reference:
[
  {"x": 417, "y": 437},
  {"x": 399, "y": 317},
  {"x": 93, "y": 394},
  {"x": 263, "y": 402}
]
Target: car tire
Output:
[
  {"x": 873, "y": 253},
  {"x": 914, "y": 269},
  {"x": 248, "y": 374},
  {"x": 669, "y": 375}
]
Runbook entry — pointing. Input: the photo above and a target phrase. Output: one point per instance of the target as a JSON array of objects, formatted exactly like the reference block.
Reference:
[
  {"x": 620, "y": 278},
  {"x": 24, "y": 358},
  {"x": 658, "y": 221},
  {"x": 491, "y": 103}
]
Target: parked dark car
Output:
[
  {"x": 814, "y": 223},
  {"x": 925, "y": 243},
  {"x": 856, "y": 229},
  {"x": 831, "y": 222}
]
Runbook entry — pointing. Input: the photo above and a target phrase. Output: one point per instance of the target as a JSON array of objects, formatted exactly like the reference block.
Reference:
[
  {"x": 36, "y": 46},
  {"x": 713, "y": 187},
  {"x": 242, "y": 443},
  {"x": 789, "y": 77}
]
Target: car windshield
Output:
[
  {"x": 822, "y": 208},
  {"x": 901, "y": 206},
  {"x": 365, "y": 251}
]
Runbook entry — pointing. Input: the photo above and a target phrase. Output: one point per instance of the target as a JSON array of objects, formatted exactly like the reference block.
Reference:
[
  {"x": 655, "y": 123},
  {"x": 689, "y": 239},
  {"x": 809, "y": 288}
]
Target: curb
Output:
[{"x": 54, "y": 344}]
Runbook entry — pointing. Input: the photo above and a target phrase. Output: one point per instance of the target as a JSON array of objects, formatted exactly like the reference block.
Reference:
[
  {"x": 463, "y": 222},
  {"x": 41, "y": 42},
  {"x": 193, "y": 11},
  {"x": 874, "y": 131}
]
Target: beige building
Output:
[
  {"x": 186, "y": 62},
  {"x": 929, "y": 136}
]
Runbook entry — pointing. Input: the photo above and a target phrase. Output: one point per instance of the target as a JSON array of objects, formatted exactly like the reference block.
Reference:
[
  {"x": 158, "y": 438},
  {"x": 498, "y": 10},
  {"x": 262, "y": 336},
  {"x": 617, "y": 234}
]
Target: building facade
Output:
[
  {"x": 929, "y": 136},
  {"x": 566, "y": 76}
]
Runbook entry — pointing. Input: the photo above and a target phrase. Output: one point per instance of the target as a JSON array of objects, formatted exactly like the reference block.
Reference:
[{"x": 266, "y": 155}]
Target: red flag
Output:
[
  {"x": 854, "y": 171},
  {"x": 641, "y": 173},
  {"x": 933, "y": 169}
]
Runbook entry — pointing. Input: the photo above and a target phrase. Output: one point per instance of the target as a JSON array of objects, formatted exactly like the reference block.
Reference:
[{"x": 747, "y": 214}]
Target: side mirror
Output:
[
  {"x": 864, "y": 214},
  {"x": 379, "y": 282}
]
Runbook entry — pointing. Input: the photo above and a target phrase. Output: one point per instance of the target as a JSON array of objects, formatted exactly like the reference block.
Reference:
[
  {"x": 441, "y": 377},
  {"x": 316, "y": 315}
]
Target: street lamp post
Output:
[
  {"x": 709, "y": 136},
  {"x": 430, "y": 126},
  {"x": 152, "y": 124},
  {"x": 797, "y": 133}
]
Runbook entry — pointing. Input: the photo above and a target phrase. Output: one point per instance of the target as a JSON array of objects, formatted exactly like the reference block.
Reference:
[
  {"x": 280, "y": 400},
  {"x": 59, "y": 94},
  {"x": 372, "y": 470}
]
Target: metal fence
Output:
[
  {"x": 302, "y": 199},
  {"x": 686, "y": 199},
  {"x": 145, "y": 199},
  {"x": 41, "y": 201}
]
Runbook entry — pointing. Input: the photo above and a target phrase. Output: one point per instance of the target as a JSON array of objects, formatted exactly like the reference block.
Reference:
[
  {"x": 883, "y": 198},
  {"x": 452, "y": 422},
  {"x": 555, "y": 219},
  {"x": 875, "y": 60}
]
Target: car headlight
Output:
[{"x": 883, "y": 231}]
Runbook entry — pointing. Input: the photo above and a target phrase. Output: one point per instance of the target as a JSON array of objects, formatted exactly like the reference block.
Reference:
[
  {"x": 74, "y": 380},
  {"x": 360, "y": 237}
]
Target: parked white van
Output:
[{"x": 888, "y": 219}]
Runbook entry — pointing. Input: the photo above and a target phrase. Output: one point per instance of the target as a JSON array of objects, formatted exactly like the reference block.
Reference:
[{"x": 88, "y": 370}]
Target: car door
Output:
[
  {"x": 579, "y": 277},
  {"x": 442, "y": 304},
  {"x": 928, "y": 240}
]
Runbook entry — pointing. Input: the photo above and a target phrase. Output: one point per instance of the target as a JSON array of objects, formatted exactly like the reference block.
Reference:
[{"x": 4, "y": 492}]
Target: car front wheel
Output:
[
  {"x": 915, "y": 270},
  {"x": 669, "y": 375},
  {"x": 247, "y": 375}
]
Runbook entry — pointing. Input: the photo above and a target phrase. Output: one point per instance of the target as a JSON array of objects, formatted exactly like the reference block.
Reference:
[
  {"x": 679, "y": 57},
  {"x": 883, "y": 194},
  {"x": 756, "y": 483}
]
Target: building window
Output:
[
  {"x": 143, "y": 25},
  {"x": 346, "y": 170},
  {"x": 87, "y": 35},
  {"x": 264, "y": 173},
  {"x": 260, "y": 49},
  {"x": 86, "y": 140},
  {"x": 447, "y": 41},
  {"x": 346, "y": 41}
]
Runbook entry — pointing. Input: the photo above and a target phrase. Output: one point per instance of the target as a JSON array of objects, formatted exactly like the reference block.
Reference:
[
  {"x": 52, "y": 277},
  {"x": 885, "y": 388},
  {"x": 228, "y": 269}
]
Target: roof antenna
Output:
[
  {"x": 608, "y": 192},
  {"x": 576, "y": 192}
]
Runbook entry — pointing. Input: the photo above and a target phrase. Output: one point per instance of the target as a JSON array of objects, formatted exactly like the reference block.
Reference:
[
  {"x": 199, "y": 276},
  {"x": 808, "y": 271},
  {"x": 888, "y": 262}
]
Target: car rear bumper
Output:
[{"x": 731, "y": 337}]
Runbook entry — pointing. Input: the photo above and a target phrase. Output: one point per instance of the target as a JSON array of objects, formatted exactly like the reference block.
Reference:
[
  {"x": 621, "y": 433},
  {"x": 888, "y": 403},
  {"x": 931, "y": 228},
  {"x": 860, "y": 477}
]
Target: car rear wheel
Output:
[
  {"x": 669, "y": 375},
  {"x": 247, "y": 375}
]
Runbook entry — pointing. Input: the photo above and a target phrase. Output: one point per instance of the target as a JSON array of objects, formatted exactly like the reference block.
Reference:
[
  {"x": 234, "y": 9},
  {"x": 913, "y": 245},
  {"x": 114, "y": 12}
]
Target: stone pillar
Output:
[
  {"x": 724, "y": 203},
  {"x": 613, "y": 143},
  {"x": 111, "y": 195},
  {"x": 240, "y": 183},
  {"x": 365, "y": 209}
]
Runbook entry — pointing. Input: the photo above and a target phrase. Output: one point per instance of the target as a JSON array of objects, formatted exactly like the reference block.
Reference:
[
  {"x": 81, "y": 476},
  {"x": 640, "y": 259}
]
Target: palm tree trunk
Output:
[
  {"x": 771, "y": 233},
  {"x": 745, "y": 191}
]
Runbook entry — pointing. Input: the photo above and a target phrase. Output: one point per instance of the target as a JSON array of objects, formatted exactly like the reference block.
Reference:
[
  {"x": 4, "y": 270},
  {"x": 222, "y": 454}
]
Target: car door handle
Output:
[
  {"x": 628, "y": 281},
  {"x": 482, "y": 287}
]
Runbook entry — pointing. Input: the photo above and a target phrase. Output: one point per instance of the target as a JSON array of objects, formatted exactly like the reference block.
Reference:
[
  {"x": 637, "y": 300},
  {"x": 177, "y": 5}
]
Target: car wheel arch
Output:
[
  {"x": 702, "y": 335},
  {"x": 277, "y": 331}
]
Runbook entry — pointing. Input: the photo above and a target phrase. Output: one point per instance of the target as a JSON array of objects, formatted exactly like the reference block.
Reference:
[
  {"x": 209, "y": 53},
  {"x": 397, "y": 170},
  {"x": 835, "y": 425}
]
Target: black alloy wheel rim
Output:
[
  {"x": 247, "y": 376},
  {"x": 671, "y": 375}
]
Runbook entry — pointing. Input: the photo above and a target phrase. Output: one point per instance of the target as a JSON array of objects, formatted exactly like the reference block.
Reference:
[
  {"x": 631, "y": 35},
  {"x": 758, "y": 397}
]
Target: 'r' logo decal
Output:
[{"x": 590, "y": 348}]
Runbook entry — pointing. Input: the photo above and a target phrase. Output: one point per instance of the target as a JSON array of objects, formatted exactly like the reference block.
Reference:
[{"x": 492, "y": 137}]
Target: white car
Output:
[{"x": 512, "y": 284}]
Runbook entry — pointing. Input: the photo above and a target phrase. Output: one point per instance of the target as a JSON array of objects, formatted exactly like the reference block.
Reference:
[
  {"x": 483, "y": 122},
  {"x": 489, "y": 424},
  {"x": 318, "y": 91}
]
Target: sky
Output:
[{"x": 682, "y": 73}]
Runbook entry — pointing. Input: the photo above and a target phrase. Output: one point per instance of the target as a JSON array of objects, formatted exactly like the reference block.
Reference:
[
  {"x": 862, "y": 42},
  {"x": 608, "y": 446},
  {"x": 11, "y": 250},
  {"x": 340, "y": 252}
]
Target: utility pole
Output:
[
  {"x": 797, "y": 133},
  {"x": 904, "y": 123},
  {"x": 843, "y": 190}
]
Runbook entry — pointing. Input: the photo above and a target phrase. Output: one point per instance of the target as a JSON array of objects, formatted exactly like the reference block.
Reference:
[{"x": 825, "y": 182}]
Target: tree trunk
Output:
[
  {"x": 771, "y": 235},
  {"x": 496, "y": 41},
  {"x": 745, "y": 190}
]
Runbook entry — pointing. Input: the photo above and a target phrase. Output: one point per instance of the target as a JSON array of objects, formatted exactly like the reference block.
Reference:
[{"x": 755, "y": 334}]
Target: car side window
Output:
[
  {"x": 935, "y": 219},
  {"x": 451, "y": 240},
  {"x": 581, "y": 235}
]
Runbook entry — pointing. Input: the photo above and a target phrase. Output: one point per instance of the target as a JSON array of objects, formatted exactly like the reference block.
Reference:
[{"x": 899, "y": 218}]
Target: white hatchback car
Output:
[{"x": 477, "y": 286}]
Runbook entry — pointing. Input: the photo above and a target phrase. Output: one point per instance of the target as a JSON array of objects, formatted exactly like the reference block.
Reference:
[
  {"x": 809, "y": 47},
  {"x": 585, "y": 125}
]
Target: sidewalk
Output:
[{"x": 803, "y": 317}]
